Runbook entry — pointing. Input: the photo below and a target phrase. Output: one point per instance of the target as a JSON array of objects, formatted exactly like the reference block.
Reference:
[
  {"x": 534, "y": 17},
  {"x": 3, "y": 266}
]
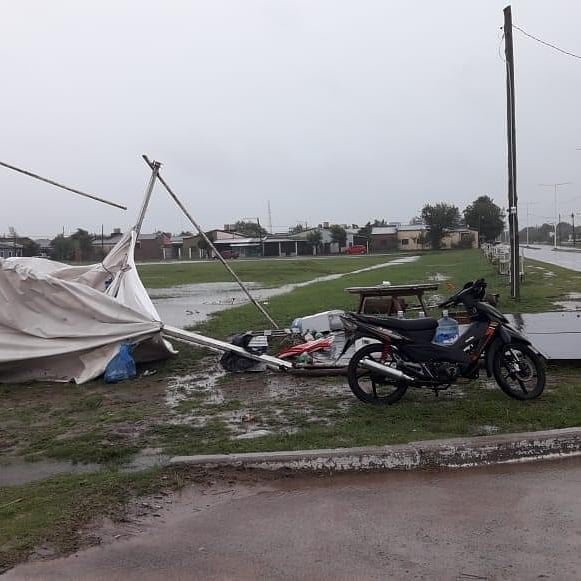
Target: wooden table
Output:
[{"x": 393, "y": 293}]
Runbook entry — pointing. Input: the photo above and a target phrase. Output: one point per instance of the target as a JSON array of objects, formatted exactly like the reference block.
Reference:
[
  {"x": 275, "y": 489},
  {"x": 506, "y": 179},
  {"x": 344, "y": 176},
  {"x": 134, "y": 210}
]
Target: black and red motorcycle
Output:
[{"x": 404, "y": 354}]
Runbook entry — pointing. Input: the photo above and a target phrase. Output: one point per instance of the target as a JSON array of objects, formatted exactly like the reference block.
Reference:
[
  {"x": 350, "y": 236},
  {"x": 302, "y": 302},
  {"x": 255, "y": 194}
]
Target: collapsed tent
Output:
[{"x": 63, "y": 323}]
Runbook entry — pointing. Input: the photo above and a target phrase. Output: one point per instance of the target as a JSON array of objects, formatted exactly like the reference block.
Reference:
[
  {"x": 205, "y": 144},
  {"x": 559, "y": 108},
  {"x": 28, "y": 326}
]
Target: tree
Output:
[
  {"x": 29, "y": 247},
  {"x": 251, "y": 229},
  {"x": 416, "y": 220},
  {"x": 338, "y": 234},
  {"x": 204, "y": 246},
  {"x": 315, "y": 237},
  {"x": 83, "y": 245},
  {"x": 365, "y": 231},
  {"x": 298, "y": 228},
  {"x": 62, "y": 248},
  {"x": 486, "y": 217},
  {"x": 438, "y": 218}
]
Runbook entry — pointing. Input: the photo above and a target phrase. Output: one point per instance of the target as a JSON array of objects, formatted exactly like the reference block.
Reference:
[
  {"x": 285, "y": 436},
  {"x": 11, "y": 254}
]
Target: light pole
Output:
[{"x": 555, "y": 186}]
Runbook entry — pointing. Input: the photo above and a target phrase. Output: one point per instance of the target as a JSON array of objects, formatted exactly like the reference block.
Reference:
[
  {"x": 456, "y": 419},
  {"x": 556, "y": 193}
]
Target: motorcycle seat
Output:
[{"x": 426, "y": 324}]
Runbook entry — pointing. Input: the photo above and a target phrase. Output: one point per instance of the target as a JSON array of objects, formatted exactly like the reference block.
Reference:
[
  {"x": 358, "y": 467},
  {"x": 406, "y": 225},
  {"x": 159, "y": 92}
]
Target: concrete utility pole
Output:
[
  {"x": 511, "y": 140},
  {"x": 555, "y": 208}
]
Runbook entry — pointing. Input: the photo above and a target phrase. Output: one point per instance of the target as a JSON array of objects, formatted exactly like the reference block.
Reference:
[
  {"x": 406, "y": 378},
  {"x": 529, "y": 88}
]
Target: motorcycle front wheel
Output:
[
  {"x": 370, "y": 386},
  {"x": 519, "y": 371}
]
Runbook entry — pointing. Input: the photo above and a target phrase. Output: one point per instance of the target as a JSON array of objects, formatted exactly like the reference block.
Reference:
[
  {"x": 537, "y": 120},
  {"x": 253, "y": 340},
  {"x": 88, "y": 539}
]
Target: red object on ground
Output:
[
  {"x": 356, "y": 249},
  {"x": 308, "y": 347}
]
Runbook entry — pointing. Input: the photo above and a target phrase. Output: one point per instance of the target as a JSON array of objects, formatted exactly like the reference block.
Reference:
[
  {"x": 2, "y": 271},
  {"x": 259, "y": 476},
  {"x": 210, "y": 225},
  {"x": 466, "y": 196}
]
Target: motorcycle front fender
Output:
[{"x": 504, "y": 335}]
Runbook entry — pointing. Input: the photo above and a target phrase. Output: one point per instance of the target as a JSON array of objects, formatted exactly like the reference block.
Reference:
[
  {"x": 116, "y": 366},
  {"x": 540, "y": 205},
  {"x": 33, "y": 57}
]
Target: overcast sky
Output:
[{"x": 333, "y": 110}]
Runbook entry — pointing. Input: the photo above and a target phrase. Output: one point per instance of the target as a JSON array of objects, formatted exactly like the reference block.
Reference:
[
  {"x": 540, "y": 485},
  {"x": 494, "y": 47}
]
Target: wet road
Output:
[
  {"x": 564, "y": 258},
  {"x": 512, "y": 522}
]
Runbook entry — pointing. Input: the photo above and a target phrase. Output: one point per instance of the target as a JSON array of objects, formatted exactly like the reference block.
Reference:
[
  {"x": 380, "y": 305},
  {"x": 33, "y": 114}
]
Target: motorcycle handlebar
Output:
[{"x": 477, "y": 287}]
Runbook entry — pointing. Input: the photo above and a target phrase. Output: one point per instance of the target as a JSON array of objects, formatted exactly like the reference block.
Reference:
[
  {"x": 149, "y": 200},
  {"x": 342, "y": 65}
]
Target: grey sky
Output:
[{"x": 334, "y": 110}]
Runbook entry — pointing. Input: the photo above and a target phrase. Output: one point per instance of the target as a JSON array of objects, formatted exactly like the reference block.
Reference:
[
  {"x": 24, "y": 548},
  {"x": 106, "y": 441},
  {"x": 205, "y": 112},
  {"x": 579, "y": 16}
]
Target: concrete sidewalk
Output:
[{"x": 450, "y": 453}]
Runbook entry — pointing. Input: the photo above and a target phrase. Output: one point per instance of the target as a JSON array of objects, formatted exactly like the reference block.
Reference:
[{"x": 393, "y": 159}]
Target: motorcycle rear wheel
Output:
[
  {"x": 370, "y": 386},
  {"x": 519, "y": 371}
]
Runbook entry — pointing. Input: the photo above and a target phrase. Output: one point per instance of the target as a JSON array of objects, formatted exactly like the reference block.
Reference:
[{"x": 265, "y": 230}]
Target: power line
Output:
[{"x": 553, "y": 46}]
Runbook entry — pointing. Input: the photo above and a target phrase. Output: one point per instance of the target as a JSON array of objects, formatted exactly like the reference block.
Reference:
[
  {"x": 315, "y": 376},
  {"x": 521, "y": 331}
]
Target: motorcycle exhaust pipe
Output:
[{"x": 385, "y": 370}]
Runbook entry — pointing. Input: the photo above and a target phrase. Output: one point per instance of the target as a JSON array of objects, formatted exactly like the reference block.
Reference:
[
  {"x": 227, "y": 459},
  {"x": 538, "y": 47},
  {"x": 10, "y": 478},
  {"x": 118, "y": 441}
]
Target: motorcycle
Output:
[{"x": 404, "y": 354}]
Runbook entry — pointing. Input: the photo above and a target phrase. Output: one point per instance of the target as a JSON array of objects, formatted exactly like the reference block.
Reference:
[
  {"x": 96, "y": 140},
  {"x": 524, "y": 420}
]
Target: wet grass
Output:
[
  {"x": 320, "y": 422},
  {"x": 538, "y": 290},
  {"x": 270, "y": 273}
]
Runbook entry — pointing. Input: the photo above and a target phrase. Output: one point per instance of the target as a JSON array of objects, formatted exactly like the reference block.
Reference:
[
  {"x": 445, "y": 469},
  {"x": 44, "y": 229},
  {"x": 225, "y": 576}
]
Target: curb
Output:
[{"x": 450, "y": 453}]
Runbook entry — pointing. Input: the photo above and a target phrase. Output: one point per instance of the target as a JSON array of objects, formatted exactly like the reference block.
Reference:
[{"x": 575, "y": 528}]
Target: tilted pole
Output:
[
  {"x": 53, "y": 183},
  {"x": 511, "y": 140},
  {"x": 210, "y": 243},
  {"x": 155, "y": 165}
]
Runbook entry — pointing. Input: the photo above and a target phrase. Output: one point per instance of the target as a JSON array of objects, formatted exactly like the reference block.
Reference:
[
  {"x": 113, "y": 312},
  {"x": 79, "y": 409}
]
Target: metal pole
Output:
[
  {"x": 555, "y": 214},
  {"x": 511, "y": 141},
  {"x": 52, "y": 182},
  {"x": 209, "y": 242},
  {"x": 528, "y": 224},
  {"x": 155, "y": 165}
]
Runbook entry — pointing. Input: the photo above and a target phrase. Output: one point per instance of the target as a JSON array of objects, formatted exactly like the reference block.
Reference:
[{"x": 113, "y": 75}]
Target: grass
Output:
[
  {"x": 538, "y": 290},
  {"x": 462, "y": 411},
  {"x": 269, "y": 273}
]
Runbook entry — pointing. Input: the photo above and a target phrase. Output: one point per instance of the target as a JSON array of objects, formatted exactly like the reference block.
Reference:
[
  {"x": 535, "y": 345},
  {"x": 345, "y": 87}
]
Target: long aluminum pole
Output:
[
  {"x": 210, "y": 244},
  {"x": 555, "y": 233},
  {"x": 155, "y": 165},
  {"x": 53, "y": 183}
]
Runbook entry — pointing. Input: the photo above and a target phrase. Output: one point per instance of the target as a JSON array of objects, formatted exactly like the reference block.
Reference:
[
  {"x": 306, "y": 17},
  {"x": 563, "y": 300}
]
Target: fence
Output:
[{"x": 499, "y": 255}]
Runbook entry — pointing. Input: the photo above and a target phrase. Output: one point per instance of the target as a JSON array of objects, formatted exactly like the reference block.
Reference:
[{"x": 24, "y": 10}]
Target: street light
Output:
[{"x": 555, "y": 186}]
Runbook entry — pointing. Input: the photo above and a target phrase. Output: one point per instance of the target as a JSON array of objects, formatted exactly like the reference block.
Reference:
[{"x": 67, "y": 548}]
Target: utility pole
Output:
[
  {"x": 511, "y": 141},
  {"x": 555, "y": 206},
  {"x": 573, "y": 223}
]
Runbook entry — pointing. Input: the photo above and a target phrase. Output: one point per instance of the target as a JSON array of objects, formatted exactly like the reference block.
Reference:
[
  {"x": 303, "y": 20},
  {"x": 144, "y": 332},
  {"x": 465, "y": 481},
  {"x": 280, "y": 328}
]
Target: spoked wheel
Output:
[
  {"x": 519, "y": 371},
  {"x": 370, "y": 386}
]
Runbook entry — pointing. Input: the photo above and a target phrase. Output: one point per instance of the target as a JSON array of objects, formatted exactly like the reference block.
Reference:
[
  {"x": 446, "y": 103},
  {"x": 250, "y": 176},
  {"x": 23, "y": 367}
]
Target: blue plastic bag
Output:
[{"x": 121, "y": 367}]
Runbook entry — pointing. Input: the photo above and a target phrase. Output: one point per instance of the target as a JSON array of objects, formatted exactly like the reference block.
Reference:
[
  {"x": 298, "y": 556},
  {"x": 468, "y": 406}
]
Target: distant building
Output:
[
  {"x": 10, "y": 249},
  {"x": 44, "y": 247},
  {"x": 414, "y": 237},
  {"x": 102, "y": 244},
  {"x": 383, "y": 238},
  {"x": 151, "y": 246}
]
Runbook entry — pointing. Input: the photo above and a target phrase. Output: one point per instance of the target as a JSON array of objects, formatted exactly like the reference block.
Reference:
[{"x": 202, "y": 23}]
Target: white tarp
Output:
[{"x": 63, "y": 323}]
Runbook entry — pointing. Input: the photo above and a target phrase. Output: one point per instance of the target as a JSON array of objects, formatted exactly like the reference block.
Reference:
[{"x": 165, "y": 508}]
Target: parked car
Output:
[
  {"x": 228, "y": 254},
  {"x": 356, "y": 249}
]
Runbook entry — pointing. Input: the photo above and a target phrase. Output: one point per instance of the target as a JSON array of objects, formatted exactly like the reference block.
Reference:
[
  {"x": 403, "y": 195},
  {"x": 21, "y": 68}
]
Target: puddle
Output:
[
  {"x": 186, "y": 305},
  {"x": 204, "y": 385},
  {"x": 19, "y": 473},
  {"x": 438, "y": 277},
  {"x": 571, "y": 302}
]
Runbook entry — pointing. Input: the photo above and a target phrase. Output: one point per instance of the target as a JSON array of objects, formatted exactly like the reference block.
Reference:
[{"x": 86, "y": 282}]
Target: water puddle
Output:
[
  {"x": 438, "y": 277},
  {"x": 19, "y": 473},
  {"x": 186, "y": 305},
  {"x": 571, "y": 302}
]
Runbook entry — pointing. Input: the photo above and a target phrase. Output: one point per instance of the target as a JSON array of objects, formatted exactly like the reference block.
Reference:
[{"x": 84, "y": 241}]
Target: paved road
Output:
[
  {"x": 564, "y": 258},
  {"x": 512, "y": 522}
]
